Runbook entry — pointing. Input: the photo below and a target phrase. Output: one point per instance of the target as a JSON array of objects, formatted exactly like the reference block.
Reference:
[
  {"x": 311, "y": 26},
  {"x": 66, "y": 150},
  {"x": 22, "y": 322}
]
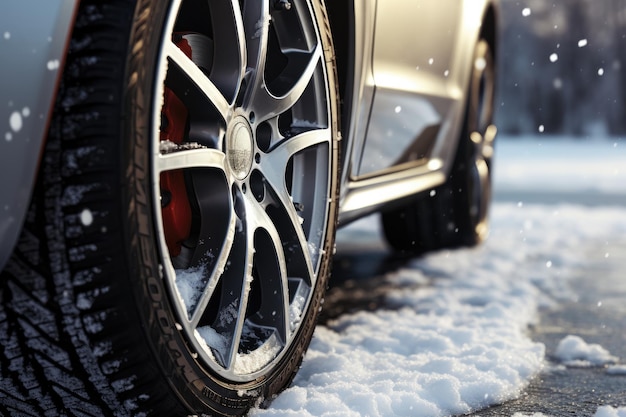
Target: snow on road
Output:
[
  {"x": 455, "y": 337},
  {"x": 574, "y": 351}
]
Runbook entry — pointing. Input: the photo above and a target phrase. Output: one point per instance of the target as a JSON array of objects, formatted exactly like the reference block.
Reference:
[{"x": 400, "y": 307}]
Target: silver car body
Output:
[
  {"x": 32, "y": 50},
  {"x": 410, "y": 70},
  {"x": 408, "y": 101}
]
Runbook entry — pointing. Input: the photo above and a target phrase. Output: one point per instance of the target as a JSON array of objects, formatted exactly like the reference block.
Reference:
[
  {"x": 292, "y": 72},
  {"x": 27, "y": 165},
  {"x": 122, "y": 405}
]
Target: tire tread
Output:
[{"x": 69, "y": 346}]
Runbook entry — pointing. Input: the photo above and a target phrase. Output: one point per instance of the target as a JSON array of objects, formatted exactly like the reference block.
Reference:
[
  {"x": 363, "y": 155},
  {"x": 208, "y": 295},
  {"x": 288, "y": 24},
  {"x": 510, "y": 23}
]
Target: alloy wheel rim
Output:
[
  {"x": 249, "y": 174},
  {"x": 482, "y": 136}
]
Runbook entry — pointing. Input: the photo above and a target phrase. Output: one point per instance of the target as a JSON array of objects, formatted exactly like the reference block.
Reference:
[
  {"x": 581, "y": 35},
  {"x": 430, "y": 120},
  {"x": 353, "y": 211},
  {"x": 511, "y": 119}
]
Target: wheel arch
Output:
[
  {"x": 341, "y": 12},
  {"x": 490, "y": 27}
]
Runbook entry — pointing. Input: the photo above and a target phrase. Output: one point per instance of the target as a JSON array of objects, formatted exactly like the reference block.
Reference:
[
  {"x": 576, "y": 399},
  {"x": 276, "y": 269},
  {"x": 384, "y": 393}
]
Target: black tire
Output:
[
  {"x": 456, "y": 213},
  {"x": 93, "y": 319}
]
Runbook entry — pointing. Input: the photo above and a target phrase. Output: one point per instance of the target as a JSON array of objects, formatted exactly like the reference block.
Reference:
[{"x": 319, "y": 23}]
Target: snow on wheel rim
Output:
[{"x": 241, "y": 170}]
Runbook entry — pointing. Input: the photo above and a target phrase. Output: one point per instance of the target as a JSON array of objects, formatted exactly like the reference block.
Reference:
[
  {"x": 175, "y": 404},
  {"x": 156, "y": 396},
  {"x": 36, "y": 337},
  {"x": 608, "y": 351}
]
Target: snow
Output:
[
  {"x": 616, "y": 370},
  {"x": 453, "y": 338},
  {"x": 256, "y": 360},
  {"x": 480, "y": 64},
  {"x": 53, "y": 65},
  {"x": 548, "y": 164},
  {"x": 574, "y": 351},
  {"x": 608, "y": 411},
  {"x": 15, "y": 121},
  {"x": 212, "y": 339},
  {"x": 190, "y": 284},
  {"x": 86, "y": 217}
]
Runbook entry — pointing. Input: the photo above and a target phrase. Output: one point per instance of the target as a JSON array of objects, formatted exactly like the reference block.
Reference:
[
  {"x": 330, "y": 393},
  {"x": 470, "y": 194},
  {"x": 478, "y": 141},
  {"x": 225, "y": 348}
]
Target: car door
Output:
[{"x": 413, "y": 65}]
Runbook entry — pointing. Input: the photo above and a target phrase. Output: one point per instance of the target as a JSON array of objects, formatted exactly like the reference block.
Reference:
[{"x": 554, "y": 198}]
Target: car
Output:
[{"x": 173, "y": 174}]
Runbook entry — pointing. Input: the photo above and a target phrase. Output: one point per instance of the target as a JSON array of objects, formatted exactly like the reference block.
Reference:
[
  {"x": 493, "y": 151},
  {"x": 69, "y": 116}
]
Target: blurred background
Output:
[{"x": 563, "y": 68}]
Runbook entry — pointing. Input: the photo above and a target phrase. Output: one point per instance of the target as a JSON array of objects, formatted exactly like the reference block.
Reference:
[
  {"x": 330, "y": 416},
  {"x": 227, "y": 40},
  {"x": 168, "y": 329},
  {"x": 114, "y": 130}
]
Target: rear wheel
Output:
[
  {"x": 178, "y": 244},
  {"x": 456, "y": 213}
]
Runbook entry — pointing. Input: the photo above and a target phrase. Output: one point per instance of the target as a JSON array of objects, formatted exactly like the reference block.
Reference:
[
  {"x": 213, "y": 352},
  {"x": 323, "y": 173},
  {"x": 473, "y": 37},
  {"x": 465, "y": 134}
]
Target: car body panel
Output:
[
  {"x": 27, "y": 91},
  {"x": 408, "y": 101},
  {"x": 410, "y": 75}
]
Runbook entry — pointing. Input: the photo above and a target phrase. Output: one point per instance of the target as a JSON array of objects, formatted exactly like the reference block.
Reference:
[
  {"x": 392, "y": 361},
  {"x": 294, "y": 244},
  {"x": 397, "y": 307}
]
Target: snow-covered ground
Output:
[
  {"x": 455, "y": 339},
  {"x": 596, "y": 166}
]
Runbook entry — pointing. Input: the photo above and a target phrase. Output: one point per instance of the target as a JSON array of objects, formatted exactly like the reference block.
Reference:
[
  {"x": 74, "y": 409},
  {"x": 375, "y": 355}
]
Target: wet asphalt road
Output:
[{"x": 597, "y": 314}]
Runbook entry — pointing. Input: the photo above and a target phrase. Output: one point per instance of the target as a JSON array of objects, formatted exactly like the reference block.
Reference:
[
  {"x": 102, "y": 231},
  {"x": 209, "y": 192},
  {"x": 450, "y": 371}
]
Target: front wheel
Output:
[
  {"x": 178, "y": 244},
  {"x": 456, "y": 213}
]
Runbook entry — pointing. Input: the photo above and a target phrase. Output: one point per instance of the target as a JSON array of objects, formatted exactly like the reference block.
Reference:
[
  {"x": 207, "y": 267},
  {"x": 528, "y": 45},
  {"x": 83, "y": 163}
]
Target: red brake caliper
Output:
[{"x": 176, "y": 210}]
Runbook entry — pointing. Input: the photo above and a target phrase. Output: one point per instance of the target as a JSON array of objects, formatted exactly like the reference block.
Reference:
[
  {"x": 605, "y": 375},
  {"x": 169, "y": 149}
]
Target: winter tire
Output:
[
  {"x": 455, "y": 213},
  {"x": 178, "y": 242}
]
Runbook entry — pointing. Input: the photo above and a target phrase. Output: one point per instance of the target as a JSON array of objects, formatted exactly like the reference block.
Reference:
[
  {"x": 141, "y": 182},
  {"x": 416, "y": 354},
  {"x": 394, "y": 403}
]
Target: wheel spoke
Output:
[
  {"x": 196, "y": 158},
  {"x": 278, "y": 158},
  {"x": 256, "y": 20},
  {"x": 316, "y": 178},
  {"x": 229, "y": 56},
  {"x": 194, "y": 75},
  {"x": 203, "y": 250},
  {"x": 268, "y": 105},
  {"x": 233, "y": 302},
  {"x": 216, "y": 274},
  {"x": 271, "y": 269}
]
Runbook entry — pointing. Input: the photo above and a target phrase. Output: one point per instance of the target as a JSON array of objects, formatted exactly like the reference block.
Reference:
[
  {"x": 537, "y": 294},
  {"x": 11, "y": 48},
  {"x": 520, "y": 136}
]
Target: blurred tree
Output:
[{"x": 561, "y": 67}]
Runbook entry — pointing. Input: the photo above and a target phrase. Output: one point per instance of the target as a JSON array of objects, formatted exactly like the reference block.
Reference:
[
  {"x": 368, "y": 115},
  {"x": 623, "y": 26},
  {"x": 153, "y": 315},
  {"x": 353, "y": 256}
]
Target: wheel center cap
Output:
[{"x": 239, "y": 147}]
